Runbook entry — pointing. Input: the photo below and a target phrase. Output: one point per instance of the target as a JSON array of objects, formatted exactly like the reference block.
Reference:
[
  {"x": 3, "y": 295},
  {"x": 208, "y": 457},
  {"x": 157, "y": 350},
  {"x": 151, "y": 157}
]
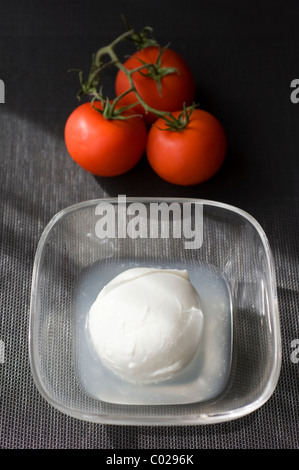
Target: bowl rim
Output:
[{"x": 153, "y": 420}]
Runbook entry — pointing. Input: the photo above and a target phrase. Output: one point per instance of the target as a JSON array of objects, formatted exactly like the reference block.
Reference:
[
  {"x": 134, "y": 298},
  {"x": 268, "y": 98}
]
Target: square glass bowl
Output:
[{"x": 230, "y": 264}]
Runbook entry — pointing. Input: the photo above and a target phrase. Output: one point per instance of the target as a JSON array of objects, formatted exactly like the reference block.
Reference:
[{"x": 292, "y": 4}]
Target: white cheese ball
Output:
[{"x": 146, "y": 324}]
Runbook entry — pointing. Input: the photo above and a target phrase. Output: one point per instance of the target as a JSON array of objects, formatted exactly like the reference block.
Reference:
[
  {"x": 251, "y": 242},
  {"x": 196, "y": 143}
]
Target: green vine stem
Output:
[
  {"x": 142, "y": 39},
  {"x": 156, "y": 71}
]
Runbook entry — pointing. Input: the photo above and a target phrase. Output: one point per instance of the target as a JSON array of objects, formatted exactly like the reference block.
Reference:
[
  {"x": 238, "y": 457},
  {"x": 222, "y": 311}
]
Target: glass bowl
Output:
[{"x": 230, "y": 264}]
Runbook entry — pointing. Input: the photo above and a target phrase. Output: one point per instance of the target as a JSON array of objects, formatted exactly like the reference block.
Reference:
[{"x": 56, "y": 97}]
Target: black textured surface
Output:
[{"x": 244, "y": 56}]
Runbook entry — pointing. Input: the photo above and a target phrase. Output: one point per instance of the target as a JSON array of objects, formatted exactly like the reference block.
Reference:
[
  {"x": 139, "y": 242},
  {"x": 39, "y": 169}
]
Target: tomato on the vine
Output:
[
  {"x": 104, "y": 147},
  {"x": 190, "y": 155},
  {"x": 165, "y": 85}
]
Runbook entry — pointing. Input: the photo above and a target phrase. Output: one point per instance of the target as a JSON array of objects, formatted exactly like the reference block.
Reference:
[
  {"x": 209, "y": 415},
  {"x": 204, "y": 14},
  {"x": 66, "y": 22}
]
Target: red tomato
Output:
[
  {"x": 101, "y": 146},
  {"x": 189, "y": 156},
  {"x": 177, "y": 87}
]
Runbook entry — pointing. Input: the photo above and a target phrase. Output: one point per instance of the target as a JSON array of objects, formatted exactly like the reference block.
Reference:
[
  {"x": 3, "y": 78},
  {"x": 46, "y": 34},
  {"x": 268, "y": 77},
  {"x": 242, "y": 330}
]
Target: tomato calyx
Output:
[
  {"x": 157, "y": 71},
  {"x": 179, "y": 123},
  {"x": 110, "y": 108}
]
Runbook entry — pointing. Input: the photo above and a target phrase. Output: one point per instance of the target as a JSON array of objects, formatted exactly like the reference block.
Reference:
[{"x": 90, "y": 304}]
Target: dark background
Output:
[{"x": 244, "y": 56}]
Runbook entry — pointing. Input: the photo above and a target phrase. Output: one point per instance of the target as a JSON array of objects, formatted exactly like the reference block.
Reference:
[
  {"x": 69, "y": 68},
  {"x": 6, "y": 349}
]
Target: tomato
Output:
[
  {"x": 104, "y": 147},
  {"x": 191, "y": 155},
  {"x": 177, "y": 87}
]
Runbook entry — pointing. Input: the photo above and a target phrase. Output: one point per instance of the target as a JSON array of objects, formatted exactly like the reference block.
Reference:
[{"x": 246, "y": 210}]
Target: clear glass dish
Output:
[{"x": 87, "y": 244}]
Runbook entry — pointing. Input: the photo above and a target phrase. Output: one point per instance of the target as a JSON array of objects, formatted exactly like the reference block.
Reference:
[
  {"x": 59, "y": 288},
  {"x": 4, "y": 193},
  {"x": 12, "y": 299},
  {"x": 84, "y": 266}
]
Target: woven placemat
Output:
[{"x": 244, "y": 57}]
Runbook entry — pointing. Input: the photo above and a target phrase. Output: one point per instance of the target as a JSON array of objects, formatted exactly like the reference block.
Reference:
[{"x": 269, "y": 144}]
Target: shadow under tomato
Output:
[{"x": 142, "y": 181}]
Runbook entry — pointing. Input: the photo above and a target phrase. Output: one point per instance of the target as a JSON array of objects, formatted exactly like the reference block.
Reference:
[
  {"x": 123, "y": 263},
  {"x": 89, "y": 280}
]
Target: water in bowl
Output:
[{"x": 203, "y": 379}]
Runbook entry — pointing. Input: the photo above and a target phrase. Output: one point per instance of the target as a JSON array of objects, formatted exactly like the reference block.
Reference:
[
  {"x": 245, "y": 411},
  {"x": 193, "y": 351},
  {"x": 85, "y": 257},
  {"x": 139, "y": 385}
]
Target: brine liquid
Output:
[{"x": 206, "y": 375}]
